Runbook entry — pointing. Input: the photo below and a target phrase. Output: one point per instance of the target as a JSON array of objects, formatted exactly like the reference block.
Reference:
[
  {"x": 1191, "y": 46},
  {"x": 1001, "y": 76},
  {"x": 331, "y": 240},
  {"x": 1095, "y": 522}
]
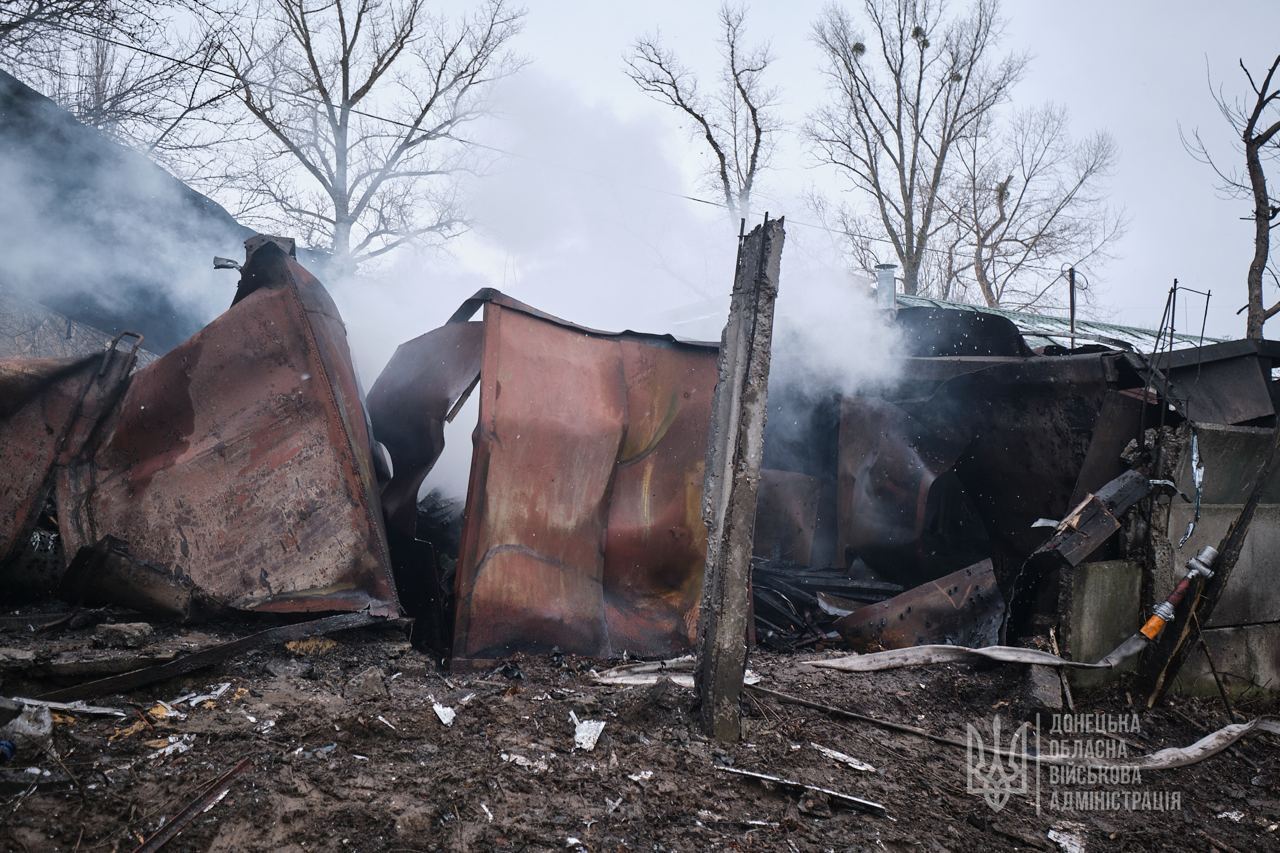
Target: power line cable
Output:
[{"x": 209, "y": 69}]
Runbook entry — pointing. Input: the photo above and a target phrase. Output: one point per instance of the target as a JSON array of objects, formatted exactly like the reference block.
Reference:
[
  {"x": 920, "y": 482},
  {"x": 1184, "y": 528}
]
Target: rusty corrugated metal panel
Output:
[
  {"x": 963, "y": 608},
  {"x": 241, "y": 459},
  {"x": 48, "y": 407},
  {"x": 39, "y": 398},
  {"x": 583, "y": 521}
]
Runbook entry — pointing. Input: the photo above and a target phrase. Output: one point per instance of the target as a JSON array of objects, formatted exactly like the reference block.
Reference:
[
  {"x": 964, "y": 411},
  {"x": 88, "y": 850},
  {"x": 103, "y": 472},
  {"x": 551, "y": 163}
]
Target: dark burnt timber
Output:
[
  {"x": 211, "y": 656},
  {"x": 1095, "y": 520},
  {"x": 735, "y": 449}
]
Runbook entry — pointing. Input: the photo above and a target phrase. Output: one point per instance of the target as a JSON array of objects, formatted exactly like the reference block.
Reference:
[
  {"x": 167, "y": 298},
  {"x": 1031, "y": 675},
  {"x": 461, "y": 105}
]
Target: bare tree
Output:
[
  {"x": 1028, "y": 201},
  {"x": 1257, "y": 129},
  {"x": 23, "y": 21},
  {"x": 132, "y": 91},
  {"x": 124, "y": 68},
  {"x": 737, "y": 121},
  {"x": 360, "y": 103},
  {"x": 903, "y": 96}
]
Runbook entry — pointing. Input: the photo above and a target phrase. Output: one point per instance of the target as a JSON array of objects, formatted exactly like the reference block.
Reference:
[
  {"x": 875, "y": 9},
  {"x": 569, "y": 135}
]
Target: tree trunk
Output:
[
  {"x": 911, "y": 276},
  {"x": 1261, "y": 239},
  {"x": 984, "y": 283},
  {"x": 341, "y": 263}
]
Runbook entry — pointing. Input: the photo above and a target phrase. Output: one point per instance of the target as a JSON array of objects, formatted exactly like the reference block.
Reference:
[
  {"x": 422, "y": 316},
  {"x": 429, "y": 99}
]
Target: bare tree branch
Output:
[
  {"x": 120, "y": 66},
  {"x": 901, "y": 100},
  {"x": 1029, "y": 200},
  {"x": 313, "y": 75},
  {"x": 1257, "y": 130},
  {"x": 737, "y": 124}
]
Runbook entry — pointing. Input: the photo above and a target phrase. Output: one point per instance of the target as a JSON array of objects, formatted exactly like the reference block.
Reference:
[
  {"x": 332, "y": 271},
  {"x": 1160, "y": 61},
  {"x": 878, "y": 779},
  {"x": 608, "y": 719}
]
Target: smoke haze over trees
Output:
[{"x": 188, "y": 113}]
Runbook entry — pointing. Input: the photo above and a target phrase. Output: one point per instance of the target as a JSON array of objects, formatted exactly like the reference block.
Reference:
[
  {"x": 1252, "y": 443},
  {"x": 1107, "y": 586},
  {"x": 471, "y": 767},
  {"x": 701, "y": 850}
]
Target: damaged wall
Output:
[
  {"x": 1243, "y": 634},
  {"x": 587, "y": 469}
]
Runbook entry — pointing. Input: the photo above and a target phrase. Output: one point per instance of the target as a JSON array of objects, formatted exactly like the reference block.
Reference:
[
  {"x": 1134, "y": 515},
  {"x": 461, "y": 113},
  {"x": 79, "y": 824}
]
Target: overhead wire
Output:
[{"x": 210, "y": 69}]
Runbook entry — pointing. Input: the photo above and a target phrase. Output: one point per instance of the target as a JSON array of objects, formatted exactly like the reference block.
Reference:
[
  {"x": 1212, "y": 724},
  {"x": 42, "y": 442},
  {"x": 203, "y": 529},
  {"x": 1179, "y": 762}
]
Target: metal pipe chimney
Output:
[{"x": 885, "y": 287}]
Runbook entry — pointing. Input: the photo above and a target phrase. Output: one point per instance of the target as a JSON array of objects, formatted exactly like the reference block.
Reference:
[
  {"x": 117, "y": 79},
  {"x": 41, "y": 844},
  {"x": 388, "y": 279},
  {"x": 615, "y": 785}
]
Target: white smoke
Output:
[
  {"x": 97, "y": 230},
  {"x": 580, "y": 222}
]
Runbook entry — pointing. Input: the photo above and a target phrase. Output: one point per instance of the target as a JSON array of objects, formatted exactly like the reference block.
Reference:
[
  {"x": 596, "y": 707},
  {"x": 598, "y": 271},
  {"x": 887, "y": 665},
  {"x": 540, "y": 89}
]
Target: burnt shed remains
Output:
[{"x": 1004, "y": 487}]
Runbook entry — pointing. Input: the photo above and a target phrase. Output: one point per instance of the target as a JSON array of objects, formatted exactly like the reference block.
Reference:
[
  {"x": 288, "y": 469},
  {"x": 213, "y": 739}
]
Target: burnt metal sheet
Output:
[
  {"x": 40, "y": 397},
  {"x": 1191, "y": 356},
  {"x": 48, "y": 407},
  {"x": 1119, "y": 421},
  {"x": 786, "y": 516},
  {"x": 108, "y": 575},
  {"x": 888, "y": 512},
  {"x": 1225, "y": 391},
  {"x": 241, "y": 459},
  {"x": 932, "y": 332},
  {"x": 410, "y": 403},
  {"x": 583, "y": 521},
  {"x": 1032, "y": 426},
  {"x": 964, "y": 608}
]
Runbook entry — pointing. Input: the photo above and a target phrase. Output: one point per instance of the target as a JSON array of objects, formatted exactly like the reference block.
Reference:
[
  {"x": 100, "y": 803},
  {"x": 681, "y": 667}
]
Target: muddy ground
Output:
[{"x": 345, "y": 752}]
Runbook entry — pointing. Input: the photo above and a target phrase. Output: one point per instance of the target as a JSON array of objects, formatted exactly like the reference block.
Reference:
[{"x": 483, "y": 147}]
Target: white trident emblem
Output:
[{"x": 993, "y": 775}]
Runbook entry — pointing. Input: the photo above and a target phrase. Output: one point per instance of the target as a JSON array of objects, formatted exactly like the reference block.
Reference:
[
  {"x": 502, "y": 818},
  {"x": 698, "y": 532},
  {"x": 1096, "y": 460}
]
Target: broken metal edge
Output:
[
  {"x": 491, "y": 295},
  {"x": 839, "y": 797}
]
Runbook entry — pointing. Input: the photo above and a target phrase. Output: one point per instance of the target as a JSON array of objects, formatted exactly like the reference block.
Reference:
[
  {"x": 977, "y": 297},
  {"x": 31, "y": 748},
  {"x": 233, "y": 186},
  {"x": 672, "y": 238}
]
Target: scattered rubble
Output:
[
  {"x": 122, "y": 635},
  {"x": 366, "y": 685}
]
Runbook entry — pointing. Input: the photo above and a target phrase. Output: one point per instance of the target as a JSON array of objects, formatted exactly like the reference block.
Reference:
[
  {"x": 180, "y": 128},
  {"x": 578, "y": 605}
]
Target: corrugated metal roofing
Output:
[{"x": 1040, "y": 330}]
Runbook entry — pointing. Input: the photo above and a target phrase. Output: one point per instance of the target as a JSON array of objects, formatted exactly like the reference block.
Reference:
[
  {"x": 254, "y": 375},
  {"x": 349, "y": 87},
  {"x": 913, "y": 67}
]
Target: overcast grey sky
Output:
[{"x": 573, "y": 227}]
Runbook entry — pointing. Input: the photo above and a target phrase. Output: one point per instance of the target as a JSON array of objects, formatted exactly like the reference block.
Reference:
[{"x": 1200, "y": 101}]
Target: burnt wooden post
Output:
[{"x": 732, "y": 479}]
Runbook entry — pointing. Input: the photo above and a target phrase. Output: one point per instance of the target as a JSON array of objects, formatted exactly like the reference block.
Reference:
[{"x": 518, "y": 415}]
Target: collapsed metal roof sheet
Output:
[{"x": 1041, "y": 330}]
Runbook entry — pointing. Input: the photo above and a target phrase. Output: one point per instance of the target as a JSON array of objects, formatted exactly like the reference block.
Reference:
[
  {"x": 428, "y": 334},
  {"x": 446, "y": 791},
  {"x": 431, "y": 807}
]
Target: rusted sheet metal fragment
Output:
[
  {"x": 241, "y": 459},
  {"x": 964, "y": 608},
  {"x": 39, "y": 398},
  {"x": 48, "y": 408},
  {"x": 410, "y": 403},
  {"x": 786, "y": 516},
  {"x": 107, "y": 574},
  {"x": 888, "y": 511},
  {"x": 583, "y": 526}
]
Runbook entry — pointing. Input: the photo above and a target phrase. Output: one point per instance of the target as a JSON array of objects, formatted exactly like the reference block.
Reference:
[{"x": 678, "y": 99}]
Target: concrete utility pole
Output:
[{"x": 734, "y": 451}]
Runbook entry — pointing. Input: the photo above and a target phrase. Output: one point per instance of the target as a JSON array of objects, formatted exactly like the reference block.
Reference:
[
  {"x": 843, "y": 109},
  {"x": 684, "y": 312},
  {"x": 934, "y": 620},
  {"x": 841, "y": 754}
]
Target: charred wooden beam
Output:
[{"x": 1094, "y": 520}]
